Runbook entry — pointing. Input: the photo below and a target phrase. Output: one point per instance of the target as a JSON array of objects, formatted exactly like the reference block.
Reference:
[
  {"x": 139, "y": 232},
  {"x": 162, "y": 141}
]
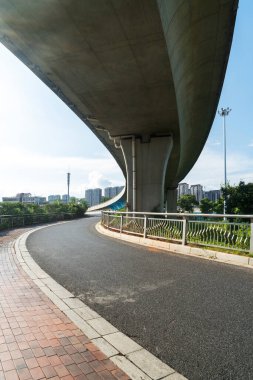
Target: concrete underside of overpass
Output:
[{"x": 144, "y": 75}]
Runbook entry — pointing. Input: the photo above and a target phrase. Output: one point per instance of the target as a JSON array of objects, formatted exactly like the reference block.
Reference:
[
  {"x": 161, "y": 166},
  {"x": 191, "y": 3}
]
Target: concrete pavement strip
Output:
[
  {"x": 130, "y": 357},
  {"x": 37, "y": 339},
  {"x": 222, "y": 257}
]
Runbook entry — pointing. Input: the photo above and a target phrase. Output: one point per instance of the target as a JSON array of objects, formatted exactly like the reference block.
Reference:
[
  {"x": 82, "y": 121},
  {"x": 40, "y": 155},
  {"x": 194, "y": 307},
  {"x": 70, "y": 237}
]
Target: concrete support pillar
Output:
[
  {"x": 146, "y": 164},
  {"x": 171, "y": 199}
]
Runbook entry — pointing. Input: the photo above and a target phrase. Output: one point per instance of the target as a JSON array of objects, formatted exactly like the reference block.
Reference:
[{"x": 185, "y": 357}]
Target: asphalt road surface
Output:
[{"x": 196, "y": 315}]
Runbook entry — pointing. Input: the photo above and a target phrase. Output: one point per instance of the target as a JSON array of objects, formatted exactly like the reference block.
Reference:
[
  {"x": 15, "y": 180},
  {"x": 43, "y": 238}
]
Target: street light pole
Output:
[{"x": 223, "y": 113}]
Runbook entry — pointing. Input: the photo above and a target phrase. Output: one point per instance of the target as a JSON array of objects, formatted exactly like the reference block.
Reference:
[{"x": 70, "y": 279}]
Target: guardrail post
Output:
[
  {"x": 121, "y": 223},
  {"x": 251, "y": 236},
  {"x": 185, "y": 229},
  {"x": 145, "y": 227}
]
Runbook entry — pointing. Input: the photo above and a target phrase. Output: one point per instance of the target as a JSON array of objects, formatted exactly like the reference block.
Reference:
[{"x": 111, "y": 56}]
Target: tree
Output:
[
  {"x": 239, "y": 199},
  {"x": 218, "y": 206},
  {"x": 83, "y": 202},
  {"x": 57, "y": 207},
  {"x": 206, "y": 206},
  {"x": 187, "y": 202}
]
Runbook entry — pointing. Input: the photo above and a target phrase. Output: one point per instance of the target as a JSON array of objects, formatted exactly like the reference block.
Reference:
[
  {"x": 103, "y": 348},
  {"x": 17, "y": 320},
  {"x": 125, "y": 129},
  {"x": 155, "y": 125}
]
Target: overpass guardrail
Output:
[
  {"x": 13, "y": 221},
  {"x": 232, "y": 232}
]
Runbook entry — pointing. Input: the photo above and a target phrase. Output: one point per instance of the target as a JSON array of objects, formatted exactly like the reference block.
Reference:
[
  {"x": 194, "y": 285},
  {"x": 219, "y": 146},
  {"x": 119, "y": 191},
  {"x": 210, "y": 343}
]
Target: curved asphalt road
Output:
[{"x": 194, "y": 314}]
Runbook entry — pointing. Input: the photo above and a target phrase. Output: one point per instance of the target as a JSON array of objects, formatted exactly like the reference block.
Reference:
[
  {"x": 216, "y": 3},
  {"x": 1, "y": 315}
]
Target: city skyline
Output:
[
  {"x": 109, "y": 192},
  {"x": 42, "y": 140},
  {"x": 198, "y": 191},
  {"x": 106, "y": 191}
]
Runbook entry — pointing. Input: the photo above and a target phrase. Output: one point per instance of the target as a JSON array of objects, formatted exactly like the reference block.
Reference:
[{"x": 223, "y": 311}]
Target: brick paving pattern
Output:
[{"x": 37, "y": 340}]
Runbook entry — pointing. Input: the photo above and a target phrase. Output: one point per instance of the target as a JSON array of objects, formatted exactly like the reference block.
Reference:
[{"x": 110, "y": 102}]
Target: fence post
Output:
[
  {"x": 121, "y": 223},
  {"x": 185, "y": 229},
  {"x": 145, "y": 227},
  {"x": 251, "y": 236}
]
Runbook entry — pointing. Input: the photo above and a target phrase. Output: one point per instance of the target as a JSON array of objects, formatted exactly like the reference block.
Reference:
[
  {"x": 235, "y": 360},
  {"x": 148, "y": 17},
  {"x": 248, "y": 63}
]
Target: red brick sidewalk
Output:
[{"x": 37, "y": 340}]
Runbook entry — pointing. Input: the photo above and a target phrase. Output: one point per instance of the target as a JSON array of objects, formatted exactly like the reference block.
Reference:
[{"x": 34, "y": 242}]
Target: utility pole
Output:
[
  {"x": 223, "y": 113},
  {"x": 68, "y": 183}
]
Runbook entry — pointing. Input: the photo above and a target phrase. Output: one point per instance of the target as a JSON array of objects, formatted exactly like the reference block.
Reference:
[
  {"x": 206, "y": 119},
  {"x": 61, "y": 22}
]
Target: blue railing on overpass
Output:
[{"x": 233, "y": 232}]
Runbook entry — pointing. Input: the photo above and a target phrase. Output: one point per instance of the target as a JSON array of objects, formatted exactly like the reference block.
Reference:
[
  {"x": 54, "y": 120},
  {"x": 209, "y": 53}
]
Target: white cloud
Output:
[
  {"x": 44, "y": 175},
  {"x": 22, "y": 170},
  {"x": 97, "y": 179},
  {"x": 209, "y": 169}
]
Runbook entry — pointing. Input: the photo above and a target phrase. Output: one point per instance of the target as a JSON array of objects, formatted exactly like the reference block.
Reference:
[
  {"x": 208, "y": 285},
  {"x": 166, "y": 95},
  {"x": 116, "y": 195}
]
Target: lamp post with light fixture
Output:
[{"x": 223, "y": 113}]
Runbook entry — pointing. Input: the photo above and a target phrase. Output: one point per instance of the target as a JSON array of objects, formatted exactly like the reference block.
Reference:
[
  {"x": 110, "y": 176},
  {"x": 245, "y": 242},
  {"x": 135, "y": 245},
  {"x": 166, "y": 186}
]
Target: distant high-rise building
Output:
[
  {"x": 118, "y": 189},
  {"x": 96, "y": 196},
  {"x": 183, "y": 189},
  {"x": 197, "y": 190},
  {"x": 25, "y": 198},
  {"x": 213, "y": 195},
  {"x": 110, "y": 192},
  {"x": 21, "y": 196},
  {"x": 64, "y": 198},
  {"x": 10, "y": 199},
  {"x": 107, "y": 192},
  {"x": 35, "y": 200},
  {"x": 93, "y": 196},
  {"x": 88, "y": 196},
  {"x": 53, "y": 198}
]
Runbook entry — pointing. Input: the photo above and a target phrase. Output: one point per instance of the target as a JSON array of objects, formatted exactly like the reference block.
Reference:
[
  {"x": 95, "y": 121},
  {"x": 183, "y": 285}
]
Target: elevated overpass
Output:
[
  {"x": 144, "y": 75},
  {"x": 115, "y": 203}
]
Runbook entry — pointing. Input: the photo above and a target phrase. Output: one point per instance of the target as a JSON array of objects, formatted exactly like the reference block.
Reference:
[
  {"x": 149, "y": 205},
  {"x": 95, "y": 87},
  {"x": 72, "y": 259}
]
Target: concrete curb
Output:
[
  {"x": 222, "y": 257},
  {"x": 130, "y": 357}
]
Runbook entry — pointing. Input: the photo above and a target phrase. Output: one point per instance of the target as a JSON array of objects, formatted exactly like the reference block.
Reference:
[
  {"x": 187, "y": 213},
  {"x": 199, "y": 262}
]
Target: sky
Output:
[{"x": 41, "y": 139}]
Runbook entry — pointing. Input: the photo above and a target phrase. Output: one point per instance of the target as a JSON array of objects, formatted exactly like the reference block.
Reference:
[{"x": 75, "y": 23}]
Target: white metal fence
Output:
[{"x": 233, "y": 232}]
